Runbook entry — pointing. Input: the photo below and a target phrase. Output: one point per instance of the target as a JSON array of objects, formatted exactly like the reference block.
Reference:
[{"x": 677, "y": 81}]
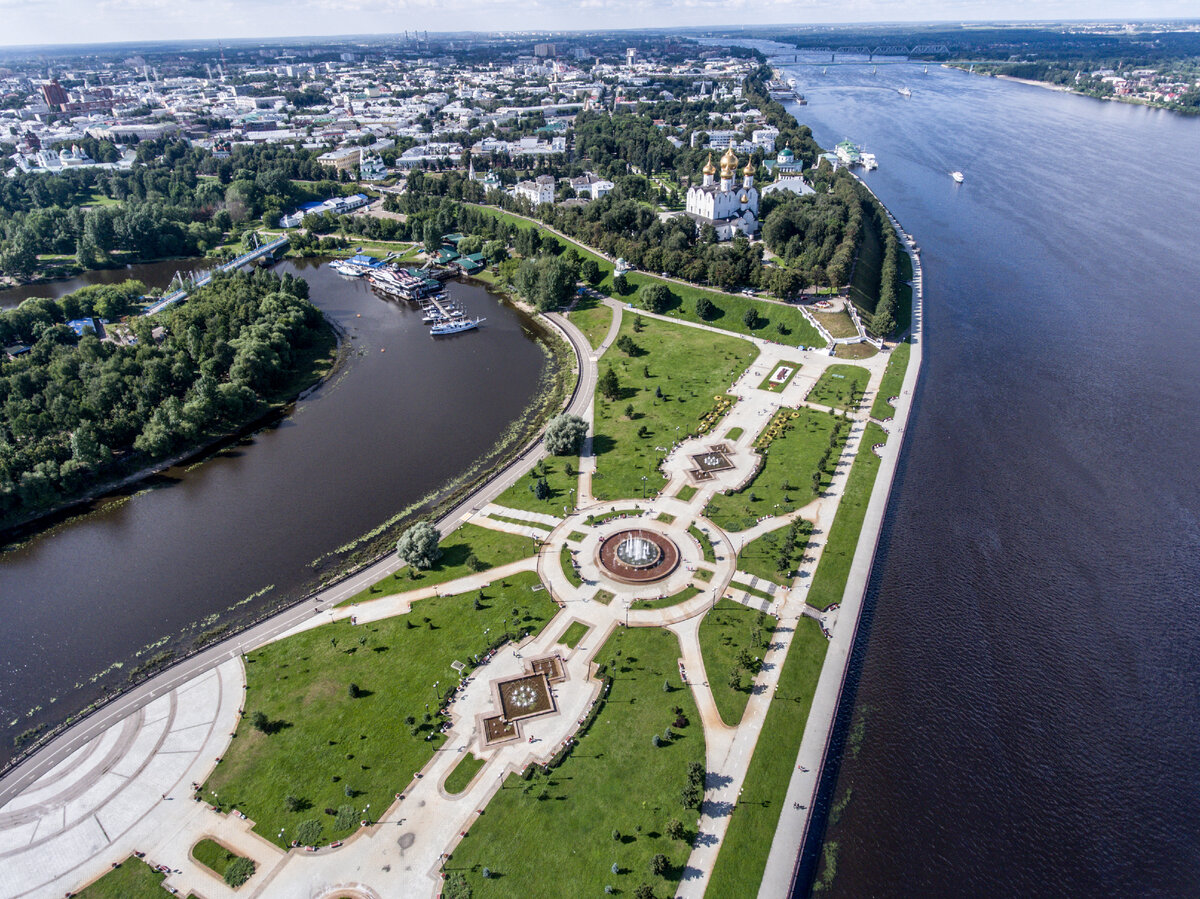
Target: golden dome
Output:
[
  {"x": 709, "y": 168},
  {"x": 745, "y": 199},
  {"x": 728, "y": 162},
  {"x": 749, "y": 169}
]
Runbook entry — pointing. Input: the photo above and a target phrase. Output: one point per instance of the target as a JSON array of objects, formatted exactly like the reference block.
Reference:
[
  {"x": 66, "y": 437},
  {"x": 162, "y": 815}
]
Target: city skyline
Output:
[{"x": 73, "y": 22}]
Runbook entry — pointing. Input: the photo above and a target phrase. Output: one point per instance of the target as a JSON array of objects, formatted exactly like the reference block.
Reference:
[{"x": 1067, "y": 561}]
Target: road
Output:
[{"x": 25, "y": 773}]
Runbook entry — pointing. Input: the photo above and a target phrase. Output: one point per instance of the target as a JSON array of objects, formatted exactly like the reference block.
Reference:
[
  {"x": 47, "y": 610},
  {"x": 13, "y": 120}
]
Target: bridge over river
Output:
[{"x": 248, "y": 257}]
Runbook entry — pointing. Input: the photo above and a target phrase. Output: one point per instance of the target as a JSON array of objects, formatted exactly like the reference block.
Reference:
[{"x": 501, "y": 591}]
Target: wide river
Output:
[
  {"x": 1028, "y": 683},
  {"x": 405, "y": 414}
]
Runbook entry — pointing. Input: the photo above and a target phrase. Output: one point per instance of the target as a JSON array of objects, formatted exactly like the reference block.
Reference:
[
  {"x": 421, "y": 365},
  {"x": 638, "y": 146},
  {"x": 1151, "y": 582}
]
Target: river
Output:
[
  {"x": 405, "y": 414},
  {"x": 1026, "y": 699}
]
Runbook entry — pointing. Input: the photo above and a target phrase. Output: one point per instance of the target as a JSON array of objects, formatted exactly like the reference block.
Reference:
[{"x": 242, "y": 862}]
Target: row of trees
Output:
[{"x": 75, "y": 411}]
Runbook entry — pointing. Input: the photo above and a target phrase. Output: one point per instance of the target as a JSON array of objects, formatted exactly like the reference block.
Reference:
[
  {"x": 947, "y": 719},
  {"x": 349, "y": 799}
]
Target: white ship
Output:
[
  {"x": 905, "y": 92},
  {"x": 455, "y": 326},
  {"x": 957, "y": 176}
]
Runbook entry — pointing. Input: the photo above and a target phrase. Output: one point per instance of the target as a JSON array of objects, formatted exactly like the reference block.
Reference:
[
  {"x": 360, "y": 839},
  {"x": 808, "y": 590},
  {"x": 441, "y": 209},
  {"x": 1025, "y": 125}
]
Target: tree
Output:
[
  {"x": 564, "y": 434},
  {"x": 418, "y": 546},
  {"x": 675, "y": 829},
  {"x": 659, "y": 865},
  {"x": 696, "y": 773},
  {"x": 309, "y": 832},
  {"x": 354, "y": 691},
  {"x": 238, "y": 871},
  {"x": 610, "y": 387},
  {"x": 705, "y": 308},
  {"x": 656, "y": 298},
  {"x": 626, "y": 345},
  {"x": 293, "y": 803},
  {"x": 644, "y": 891},
  {"x": 260, "y": 722},
  {"x": 541, "y": 489},
  {"x": 750, "y": 318},
  {"x": 589, "y": 271}
]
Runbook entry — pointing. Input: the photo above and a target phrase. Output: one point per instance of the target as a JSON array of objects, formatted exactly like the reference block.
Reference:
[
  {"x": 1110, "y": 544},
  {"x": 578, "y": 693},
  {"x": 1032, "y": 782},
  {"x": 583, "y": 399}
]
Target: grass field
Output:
[
  {"x": 132, "y": 879},
  {"x": 855, "y": 351},
  {"x": 554, "y": 469},
  {"x": 731, "y": 434},
  {"x": 593, "y": 318},
  {"x": 706, "y": 547},
  {"x": 753, "y": 591},
  {"x": 574, "y": 633},
  {"x": 686, "y": 492},
  {"x": 837, "y": 386},
  {"x": 785, "y": 482},
  {"x": 491, "y": 548},
  {"x": 553, "y": 836},
  {"x": 761, "y": 556},
  {"x": 464, "y": 772},
  {"x": 213, "y": 856},
  {"x": 775, "y": 386},
  {"x": 893, "y": 378},
  {"x": 730, "y": 308},
  {"x": 725, "y": 632},
  {"x": 567, "y": 561},
  {"x": 829, "y": 582},
  {"x": 323, "y": 745},
  {"x": 743, "y": 856},
  {"x": 663, "y": 602},
  {"x": 838, "y": 324},
  {"x": 864, "y": 283},
  {"x": 689, "y": 367}
]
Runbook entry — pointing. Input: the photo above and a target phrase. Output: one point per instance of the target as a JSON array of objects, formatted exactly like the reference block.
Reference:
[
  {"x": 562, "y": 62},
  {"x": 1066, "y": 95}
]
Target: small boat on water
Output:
[
  {"x": 904, "y": 92},
  {"x": 957, "y": 176},
  {"x": 342, "y": 267},
  {"x": 455, "y": 326}
]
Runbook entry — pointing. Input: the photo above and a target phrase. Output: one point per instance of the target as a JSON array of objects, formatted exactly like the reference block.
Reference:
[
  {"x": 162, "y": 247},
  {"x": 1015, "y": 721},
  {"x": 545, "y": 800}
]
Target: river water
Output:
[
  {"x": 404, "y": 415},
  {"x": 1027, "y": 711}
]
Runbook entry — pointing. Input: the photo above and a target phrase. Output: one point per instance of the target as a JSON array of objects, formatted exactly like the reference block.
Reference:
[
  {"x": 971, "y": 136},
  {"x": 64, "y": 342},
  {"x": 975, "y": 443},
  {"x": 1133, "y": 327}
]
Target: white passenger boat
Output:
[
  {"x": 957, "y": 176},
  {"x": 455, "y": 326}
]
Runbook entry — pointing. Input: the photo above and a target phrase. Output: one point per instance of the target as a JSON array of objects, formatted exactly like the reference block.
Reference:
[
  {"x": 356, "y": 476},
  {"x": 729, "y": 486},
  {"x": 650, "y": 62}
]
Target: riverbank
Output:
[{"x": 320, "y": 362}]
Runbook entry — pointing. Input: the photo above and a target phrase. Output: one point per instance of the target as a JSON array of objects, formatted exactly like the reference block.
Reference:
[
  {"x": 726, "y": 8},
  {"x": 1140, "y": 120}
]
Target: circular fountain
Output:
[{"x": 637, "y": 556}]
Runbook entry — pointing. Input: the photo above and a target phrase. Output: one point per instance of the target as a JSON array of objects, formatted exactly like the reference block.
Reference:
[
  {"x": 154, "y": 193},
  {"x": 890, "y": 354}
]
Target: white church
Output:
[{"x": 728, "y": 208}]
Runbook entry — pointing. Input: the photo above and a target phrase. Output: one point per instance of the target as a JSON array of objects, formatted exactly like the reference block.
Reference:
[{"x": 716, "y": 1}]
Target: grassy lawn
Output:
[
  {"x": 491, "y": 548},
  {"x": 323, "y": 747},
  {"x": 775, "y": 386},
  {"x": 593, "y": 318},
  {"x": 785, "y": 482},
  {"x": 706, "y": 547},
  {"x": 662, "y": 602},
  {"x": 753, "y": 591},
  {"x": 864, "y": 284},
  {"x": 703, "y": 574},
  {"x": 213, "y": 856},
  {"x": 554, "y": 469},
  {"x": 838, "y": 324},
  {"x": 687, "y": 491},
  {"x": 689, "y": 368},
  {"x": 132, "y": 879},
  {"x": 464, "y": 772},
  {"x": 725, "y": 632},
  {"x": 893, "y": 378},
  {"x": 732, "y": 434},
  {"x": 840, "y": 387},
  {"x": 829, "y": 582},
  {"x": 730, "y": 308},
  {"x": 743, "y": 855},
  {"x": 553, "y": 835},
  {"x": 761, "y": 557},
  {"x": 604, "y": 597},
  {"x": 855, "y": 351},
  {"x": 508, "y": 519},
  {"x": 574, "y": 634},
  {"x": 567, "y": 561},
  {"x": 665, "y": 516},
  {"x": 576, "y": 536}
]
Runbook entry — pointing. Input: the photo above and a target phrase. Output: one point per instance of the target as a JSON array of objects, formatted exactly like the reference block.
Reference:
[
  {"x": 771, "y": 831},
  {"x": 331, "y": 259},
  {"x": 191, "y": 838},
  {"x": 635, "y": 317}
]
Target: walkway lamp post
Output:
[{"x": 436, "y": 694}]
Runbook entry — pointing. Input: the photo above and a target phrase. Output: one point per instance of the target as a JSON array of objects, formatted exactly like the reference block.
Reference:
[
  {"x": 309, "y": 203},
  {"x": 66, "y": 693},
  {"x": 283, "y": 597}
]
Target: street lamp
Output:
[
  {"x": 643, "y": 486},
  {"x": 436, "y": 694}
]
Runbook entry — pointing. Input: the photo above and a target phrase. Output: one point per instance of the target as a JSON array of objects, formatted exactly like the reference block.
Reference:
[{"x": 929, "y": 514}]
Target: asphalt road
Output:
[{"x": 70, "y": 740}]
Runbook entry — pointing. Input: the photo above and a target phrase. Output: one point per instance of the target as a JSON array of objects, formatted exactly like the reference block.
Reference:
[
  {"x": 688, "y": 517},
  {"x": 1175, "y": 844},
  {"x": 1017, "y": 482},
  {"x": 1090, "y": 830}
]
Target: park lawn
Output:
[
  {"x": 566, "y": 559},
  {"x": 731, "y": 434},
  {"x": 574, "y": 634},
  {"x": 131, "y": 879},
  {"x": 553, "y": 835},
  {"x": 690, "y": 367},
  {"x": 838, "y": 324},
  {"x": 743, "y": 856},
  {"x": 508, "y": 519},
  {"x": 840, "y": 387},
  {"x": 664, "y": 601},
  {"x": 862, "y": 350},
  {"x": 706, "y": 547},
  {"x": 593, "y": 318},
  {"x": 761, "y": 556},
  {"x": 724, "y": 631},
  {"x": 213, "y": 856},
  {"x": 491, "y": 548},
  {"x": 321, "y": 742},
  {"x": 775, "y": 386},
  {"x": 829, "y": 582},
  {"x": 687, "y": 491},
  {"x": 785, "y": 482},
  {"x": 753, "y": 591},
  {"x": 464, "y": 772},
  {"x": 554, "y": 469},
  {"x": 893, "y": 378}
]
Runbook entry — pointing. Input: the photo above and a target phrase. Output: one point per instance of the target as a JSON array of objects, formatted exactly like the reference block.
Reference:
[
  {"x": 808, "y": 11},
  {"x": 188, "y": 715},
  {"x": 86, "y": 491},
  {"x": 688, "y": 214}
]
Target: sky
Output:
[{"x": 95, "y": 21}]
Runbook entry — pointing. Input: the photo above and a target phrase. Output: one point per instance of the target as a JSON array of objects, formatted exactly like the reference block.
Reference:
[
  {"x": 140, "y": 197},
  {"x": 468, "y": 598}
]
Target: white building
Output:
[
  {"x": 727, "y": 207},
  {"x": 539, "y": 190}
]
